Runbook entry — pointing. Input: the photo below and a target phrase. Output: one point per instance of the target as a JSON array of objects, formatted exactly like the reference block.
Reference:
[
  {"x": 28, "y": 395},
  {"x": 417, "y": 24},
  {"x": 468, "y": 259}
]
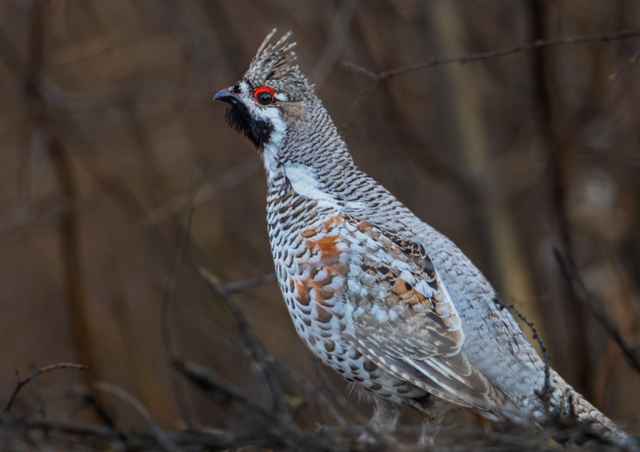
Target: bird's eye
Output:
[
  {"x": 265, "y": 98},
  {"x": 264, "y": 95}
]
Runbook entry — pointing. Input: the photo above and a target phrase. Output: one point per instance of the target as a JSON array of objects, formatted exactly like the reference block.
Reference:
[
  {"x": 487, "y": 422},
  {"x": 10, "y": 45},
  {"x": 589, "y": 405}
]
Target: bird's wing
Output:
[{"x": 404, "y": 320}]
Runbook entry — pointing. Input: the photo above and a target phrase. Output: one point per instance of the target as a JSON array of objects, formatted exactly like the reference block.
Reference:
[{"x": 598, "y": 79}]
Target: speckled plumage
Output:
[{"x": 378, "y": 295}]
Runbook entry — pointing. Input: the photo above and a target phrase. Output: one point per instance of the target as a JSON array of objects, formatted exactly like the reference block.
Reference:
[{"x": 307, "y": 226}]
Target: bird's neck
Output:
[{"x": 312, "y": 147}]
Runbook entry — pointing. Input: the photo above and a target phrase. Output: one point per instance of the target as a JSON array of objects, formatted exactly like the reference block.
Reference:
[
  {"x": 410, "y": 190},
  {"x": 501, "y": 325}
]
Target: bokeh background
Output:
[{"x": 119, "y": 180}]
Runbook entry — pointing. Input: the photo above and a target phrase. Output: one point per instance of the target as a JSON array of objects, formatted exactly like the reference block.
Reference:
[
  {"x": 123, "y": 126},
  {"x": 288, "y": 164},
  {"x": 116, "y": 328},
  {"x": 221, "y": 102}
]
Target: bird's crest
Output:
[{"x": 271, "y": 67}]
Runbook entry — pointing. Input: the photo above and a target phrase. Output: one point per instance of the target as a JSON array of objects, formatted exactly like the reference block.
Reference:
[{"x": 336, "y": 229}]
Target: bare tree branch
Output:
[
  {"x": 253, "y": 342},
  {"x": 44, "y": 370},
  {"x": 193, "y": 440},
  {"x": 249, "y": 283},
  {"x": 583, "y": 39},
  {"x": 225, "y": 393},
  {"x": 630, "y": 62},
  {"x": 168, "y": 337},
  {"x": 377, "y": 78},
  {"x": 590, "y": 301},
  {"x": 125, "y": 396}
]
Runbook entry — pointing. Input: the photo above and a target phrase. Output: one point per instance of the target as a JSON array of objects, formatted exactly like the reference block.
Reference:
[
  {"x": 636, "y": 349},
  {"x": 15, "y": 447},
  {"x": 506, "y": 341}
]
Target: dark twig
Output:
[
  {"x": 171, "y": 347},
  {"x": 545, "y": 392},
  {"x": 203, "y": 193},
  {"x": 377, "y": 78},
  {"x": 238, "y": 346},
  {"x": 249, "y": 283},
  {"x": 223, "y": 391},
  {"x": 125, "y": 396},
  {"x": 192, "y": 440},
  {"x": 259, "y": 354},
  {"x": 332, "y": 439},
  {"x": 603, "y": 37},
  {"x": 570, "y": 272},
  {"x": 630, "y": 62},
  {"x": 44, "y": 370}
]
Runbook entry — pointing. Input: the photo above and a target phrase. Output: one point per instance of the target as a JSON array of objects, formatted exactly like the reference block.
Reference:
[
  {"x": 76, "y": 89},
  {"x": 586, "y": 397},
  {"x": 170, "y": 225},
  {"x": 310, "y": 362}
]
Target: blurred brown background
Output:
[{"x": 112, "y": 154}]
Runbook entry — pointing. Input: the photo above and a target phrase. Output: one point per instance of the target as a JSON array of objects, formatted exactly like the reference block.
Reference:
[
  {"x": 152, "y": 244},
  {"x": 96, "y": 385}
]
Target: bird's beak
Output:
[{"x": 225, "y": 96}]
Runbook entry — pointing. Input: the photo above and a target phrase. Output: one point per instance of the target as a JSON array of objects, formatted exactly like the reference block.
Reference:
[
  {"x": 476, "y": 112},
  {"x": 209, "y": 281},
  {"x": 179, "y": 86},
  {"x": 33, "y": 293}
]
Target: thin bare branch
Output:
[
  {"x": 204, "y": 193},
  {"x": 249, "y": 283},
  {"x": 377, "y": 78},
  {"x": 170, "y": 343},
  {"x": 258, "y": 351},
  {"x": 22, "y": 383},
  {"x": 570, "y": 40},
  {"x": 193, "y": 440},
  {"x": 630, "y": 62},
  {"x": 225, "y": 392},
  {"x": 125, "y": 396},
  {"x": 570, "y": 272}
]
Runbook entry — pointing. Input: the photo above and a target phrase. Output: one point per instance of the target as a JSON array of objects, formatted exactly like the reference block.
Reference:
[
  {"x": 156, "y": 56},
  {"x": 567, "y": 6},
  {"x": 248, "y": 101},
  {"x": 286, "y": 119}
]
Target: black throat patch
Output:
[{"x": 257, "y": 130}]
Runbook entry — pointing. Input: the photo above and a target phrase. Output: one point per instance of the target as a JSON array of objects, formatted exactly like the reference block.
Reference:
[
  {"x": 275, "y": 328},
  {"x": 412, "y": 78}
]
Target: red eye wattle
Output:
[{"x": 264, "y": 95}]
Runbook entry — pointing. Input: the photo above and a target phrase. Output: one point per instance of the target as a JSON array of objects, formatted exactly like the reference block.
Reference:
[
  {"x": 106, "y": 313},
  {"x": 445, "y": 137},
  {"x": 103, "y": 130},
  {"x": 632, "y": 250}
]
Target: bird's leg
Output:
[
  {"x": 431, "y": 426},
  {"x": 385, "y": 415},
  {"x": 385, "y": 418}
]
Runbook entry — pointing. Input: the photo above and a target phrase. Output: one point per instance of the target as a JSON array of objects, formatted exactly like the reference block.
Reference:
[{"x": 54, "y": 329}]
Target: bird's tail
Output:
[{"x": 567, "y": 404}]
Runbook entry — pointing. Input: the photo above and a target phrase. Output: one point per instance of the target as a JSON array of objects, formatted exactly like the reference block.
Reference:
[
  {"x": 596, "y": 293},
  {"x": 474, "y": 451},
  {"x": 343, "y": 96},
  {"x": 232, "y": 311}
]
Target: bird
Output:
[{"x": 384, "y": 299}]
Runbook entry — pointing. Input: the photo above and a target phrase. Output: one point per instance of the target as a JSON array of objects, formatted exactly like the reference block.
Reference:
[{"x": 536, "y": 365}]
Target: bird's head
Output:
[{"x": 270, "y": 96}]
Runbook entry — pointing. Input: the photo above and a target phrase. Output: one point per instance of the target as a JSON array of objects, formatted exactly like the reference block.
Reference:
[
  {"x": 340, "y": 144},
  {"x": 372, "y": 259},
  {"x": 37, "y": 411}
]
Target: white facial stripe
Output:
[
  {"x": 272, "y": 148},
  {"x": 244, "y": 88},
  {"x": 273, "y": 116}
]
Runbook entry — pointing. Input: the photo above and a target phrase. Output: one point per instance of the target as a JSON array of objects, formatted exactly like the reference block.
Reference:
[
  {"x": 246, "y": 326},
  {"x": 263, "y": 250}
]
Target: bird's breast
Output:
[
  {"x": 310, "y": 260},
  {"x": 311, "y": 253}
]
